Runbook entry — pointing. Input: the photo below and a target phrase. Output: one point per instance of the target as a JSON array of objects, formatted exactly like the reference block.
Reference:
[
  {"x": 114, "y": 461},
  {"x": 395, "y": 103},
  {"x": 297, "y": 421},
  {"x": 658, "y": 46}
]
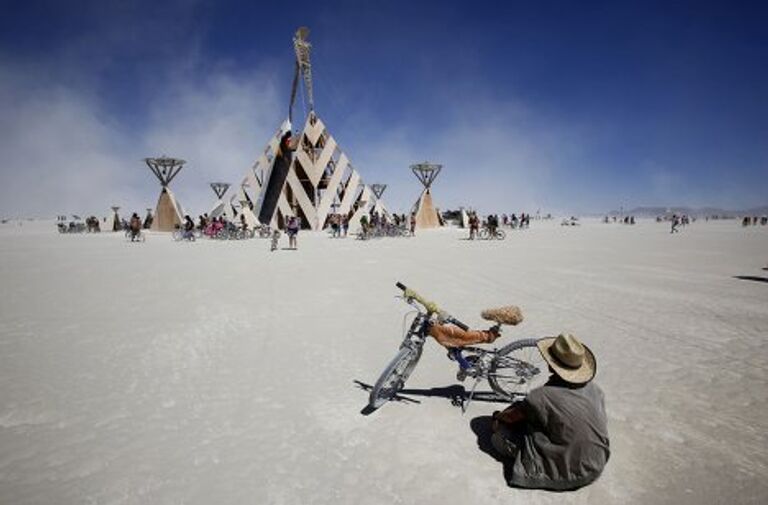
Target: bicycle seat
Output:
[{"x": 509, "y": 314}]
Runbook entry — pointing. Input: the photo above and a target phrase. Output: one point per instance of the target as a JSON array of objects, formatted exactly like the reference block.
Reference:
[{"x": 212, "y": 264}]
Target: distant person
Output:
[
  {"x": 335, "y": 226},
  {"x": 474, "y": 226},
  {"x": 675, "y": 224},
  {"x": 344, "y": 223},
  {"x": 557, "y": 438},
  {"x": 292, "y": 229},
  {"x": 135, "y": 227},
  {"x": 189, "y": 228},
  {"x": 413, "y": 223}
]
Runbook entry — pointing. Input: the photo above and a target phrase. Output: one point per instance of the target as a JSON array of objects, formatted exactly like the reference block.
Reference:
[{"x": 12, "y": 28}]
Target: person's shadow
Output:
[{"x": 481, "y": 427}]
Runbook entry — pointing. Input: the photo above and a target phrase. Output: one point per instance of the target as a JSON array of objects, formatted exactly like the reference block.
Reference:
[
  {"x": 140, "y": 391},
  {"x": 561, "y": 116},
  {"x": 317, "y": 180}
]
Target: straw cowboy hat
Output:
[{"x": 569, "y": 358}]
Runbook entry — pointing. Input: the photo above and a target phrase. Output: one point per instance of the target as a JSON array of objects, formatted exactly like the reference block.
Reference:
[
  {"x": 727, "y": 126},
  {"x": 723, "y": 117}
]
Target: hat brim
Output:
[{"x": 582, "y": 375}]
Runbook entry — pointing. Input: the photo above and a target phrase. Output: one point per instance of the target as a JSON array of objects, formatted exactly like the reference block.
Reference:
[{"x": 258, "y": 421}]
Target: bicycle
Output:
[
  {"x": 179, "y": 234},
  {"x": 498, "y": 234},
  {"x": 511, "y": 371},
  {"x": 131, "y": 237}
]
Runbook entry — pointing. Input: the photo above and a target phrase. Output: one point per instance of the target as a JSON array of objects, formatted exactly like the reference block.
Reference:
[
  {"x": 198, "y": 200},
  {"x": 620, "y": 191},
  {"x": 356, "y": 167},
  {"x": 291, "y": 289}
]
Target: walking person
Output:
[
  {"x": 135, "y": 227},
  {"x": 293, "y": 230},
  {"x": 344, "y": 225},
  {"x": 675, "y": 224}
]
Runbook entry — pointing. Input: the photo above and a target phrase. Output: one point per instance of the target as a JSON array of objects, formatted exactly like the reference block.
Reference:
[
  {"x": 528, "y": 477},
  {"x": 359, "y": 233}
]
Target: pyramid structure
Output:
[
  {"x": 321, "y": 181},
  {"x": 242, "y": 205}
]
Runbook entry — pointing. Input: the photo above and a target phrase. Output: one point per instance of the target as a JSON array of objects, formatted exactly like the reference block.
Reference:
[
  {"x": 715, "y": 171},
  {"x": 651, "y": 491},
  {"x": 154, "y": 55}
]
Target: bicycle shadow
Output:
[{"x": 456, "y": 393}]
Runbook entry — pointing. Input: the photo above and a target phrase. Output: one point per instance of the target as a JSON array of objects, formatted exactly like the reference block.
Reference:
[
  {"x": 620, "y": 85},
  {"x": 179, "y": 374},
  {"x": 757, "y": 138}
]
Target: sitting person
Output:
[{"x": 557, "y": 437}]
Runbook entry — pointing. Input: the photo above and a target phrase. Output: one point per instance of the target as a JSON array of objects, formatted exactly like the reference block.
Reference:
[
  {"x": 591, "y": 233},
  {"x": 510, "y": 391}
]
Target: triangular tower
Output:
[
  {"x": 426, "y": 213},
  {"x": 320, "y": 179},
  {"x": 168, "y": 213}
]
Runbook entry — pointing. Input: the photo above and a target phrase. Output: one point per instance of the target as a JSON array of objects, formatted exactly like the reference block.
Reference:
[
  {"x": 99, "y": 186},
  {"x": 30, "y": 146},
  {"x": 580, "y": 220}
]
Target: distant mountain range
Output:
[{"x": 691, "y": 211}]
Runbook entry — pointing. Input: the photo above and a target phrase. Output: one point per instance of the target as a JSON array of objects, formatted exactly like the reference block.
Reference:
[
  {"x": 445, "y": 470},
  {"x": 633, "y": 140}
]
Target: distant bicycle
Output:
[
  {"x": 138, "y": 237},
  {"x": 180, "y": 234},
  {"x": 511, "y": 371},
  {"x": 487, "y": 234}
]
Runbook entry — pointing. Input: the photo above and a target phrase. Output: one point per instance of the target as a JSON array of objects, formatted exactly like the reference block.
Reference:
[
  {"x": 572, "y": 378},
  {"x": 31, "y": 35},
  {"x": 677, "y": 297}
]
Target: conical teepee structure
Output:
[
  {"x": 112, "y": 222},
  {"x": 427, "y": 215},
  {"x": 168, "y": 212}
]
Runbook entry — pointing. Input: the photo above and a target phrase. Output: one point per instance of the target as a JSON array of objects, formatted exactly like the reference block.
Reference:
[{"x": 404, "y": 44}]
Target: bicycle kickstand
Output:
[{"x": 465, "y": 405}]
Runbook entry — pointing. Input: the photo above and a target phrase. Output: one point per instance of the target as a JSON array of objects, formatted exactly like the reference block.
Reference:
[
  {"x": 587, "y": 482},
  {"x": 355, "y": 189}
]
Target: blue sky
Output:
[{"x": 563, "y": 106}]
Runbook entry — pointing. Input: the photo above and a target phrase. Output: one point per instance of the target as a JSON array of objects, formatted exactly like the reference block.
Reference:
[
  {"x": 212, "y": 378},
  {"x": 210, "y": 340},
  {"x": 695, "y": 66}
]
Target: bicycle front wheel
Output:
[
  {"x": 517, "y": 369},
  {"x": 393, "y": 378},
  {"x": 500, "y": 235}
]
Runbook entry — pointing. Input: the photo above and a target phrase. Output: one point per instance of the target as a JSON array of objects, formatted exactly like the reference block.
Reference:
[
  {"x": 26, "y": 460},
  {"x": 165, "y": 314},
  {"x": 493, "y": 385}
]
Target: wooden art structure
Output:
[
  {"x": 377, "y": 205},
  {"x": 112, "y": 222},
  {"x": 320, "y": 180},
  {"x": 168, "y": 212},
  {"x": 427, "y": 215},
  {"x": 220, "y": 207},
  {"x": 243, "y": 206}
]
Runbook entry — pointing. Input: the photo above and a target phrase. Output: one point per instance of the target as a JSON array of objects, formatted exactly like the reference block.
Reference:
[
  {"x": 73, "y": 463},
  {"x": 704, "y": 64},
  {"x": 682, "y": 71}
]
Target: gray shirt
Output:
[{"x": 566, "y": 443}]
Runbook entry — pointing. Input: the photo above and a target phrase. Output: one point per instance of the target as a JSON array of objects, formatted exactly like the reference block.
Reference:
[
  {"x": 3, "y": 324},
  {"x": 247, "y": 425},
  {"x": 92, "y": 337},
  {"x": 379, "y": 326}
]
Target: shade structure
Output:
[
  {"x": 168, "y": 213},
  {"x": 427, "y": 215},
  {"x": 112, "y": 222}
]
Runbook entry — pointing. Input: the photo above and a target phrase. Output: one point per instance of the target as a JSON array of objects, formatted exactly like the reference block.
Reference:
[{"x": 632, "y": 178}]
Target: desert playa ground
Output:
[{"x": 221, "y": 373}]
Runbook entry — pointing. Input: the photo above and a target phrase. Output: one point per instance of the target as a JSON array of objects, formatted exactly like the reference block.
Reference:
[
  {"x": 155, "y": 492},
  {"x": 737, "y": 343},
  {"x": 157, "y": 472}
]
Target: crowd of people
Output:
[
  {"x": 492, "y": 222},
  {"x": 619, "y": 219},
  {"x": 382, "y": 225}
]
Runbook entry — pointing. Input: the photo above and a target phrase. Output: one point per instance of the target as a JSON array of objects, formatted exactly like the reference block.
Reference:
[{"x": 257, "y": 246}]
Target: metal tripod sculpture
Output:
[
  {"x": 427, "y": 215},
  {"x": 168, "y": 213}
]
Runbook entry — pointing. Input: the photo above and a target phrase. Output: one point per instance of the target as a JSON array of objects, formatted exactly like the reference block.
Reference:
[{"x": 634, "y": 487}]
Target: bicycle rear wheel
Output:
[
  {"x": 500, "y": 235},
  {"x": 393, "y": 378},
  {"x": 517, "y": 369}
]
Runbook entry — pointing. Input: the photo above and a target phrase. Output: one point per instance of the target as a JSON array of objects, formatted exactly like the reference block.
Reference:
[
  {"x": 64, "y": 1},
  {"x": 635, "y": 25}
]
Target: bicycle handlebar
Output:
[{"x": 431, "y": 307}]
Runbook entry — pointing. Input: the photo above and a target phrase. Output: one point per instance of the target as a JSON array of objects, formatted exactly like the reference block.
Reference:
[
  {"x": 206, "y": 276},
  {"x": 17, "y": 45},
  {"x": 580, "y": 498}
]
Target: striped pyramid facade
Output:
[{"x": 321, "y": 181}]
